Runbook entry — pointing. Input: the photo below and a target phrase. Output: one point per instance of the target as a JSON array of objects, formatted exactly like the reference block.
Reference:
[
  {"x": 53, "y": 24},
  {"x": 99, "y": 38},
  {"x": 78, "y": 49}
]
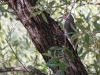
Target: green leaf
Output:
[
  {"x": 4, "y": 3},
  {"x": 79, "y": 20},
  {"x": 15, "y": 43},
  {"x": 76, "y": 35},
  {"x": 81, "y": 27},
  {"x": 47, "y": 54},
  {"x": 35, "y": 13},
  {"x": 70, "y": 54},
  {"x": 88, "y": 27},
  {"x": 2, "y": 9},
  {"x": 87, "y": 38},
  {"x": 53, "y": 62},
  {"x": 44, "y": 17},
  {"x": 62, "y": 72},
  {"x": 96, "y": 66},
  {"x": 64, "y": 1},
  {"x": 88, "y": 16},
  {"x": 73, "y": 27},
  {"x": 38, "y": 1},
  {"x": 62, "y": 66},
  {"x": 0, "y": 26},
  {"x": 54, "y": 48},
  {"x": 5, "y": 15},
  {"x": 52, "y": 65},
  {"x": 84, "y": 54},
  {"x": 82, "y": 15},
  {"x": 97, "y": 56},
  {"x": 80, "y": 51},
  {"x": 77, "y": 0},
  {"x": 52, "y": 3}
]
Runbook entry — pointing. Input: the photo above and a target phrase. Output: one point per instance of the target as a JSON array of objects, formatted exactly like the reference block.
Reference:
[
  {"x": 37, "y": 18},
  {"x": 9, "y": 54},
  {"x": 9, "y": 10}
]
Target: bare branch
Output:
[
  {"x": 16, "y": 55},
  {"x": 35, "y": 71},
  {"x": 9, "y": 11},
  {"x": 85, "y": 3}
]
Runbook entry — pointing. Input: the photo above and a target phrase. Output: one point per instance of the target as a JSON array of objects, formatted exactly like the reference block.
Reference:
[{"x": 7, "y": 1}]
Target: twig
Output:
[
  {"x": 95, "y": 32},
  {"x": 58, "y": 5},
  {"x": 12, "y": 29},
  {"x": 84, "y": 3},
  {"x": 72, "y": 6},
  {"x": 15, "y": 54},
  {"x": 35, "y": 71},
  {"x": 13, "y": 50}
]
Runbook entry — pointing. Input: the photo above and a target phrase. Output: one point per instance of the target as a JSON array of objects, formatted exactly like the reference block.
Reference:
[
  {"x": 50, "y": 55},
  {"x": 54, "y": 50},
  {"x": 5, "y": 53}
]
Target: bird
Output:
[{"x": 70, "y": 28}]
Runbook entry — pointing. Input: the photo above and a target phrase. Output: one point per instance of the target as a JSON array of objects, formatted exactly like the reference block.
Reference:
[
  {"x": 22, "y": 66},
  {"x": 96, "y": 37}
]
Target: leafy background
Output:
[{"x": 14, "y": 37}]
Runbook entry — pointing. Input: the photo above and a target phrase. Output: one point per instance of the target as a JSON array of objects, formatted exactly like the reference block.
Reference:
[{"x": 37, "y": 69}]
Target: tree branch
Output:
[
  {"x": 84, "y": 3},
  {"x": 44, "y": 34},
  {"x": 35, "y": 71},
  {"x": 16, "y": 56}
]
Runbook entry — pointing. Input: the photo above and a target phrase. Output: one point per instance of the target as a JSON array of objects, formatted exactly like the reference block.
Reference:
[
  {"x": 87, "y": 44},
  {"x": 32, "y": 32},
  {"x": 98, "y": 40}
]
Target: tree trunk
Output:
[{"x": 45, "y": 34}]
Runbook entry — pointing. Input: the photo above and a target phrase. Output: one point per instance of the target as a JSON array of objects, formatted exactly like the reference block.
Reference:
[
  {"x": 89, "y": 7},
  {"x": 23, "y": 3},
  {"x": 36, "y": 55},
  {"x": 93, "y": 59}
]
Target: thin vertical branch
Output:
[{"x": 16, "y": 55}]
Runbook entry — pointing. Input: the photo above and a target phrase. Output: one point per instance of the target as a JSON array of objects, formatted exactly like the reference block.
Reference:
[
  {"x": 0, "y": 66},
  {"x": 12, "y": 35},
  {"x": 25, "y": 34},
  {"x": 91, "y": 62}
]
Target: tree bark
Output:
[{"x": 45, "y": 34}]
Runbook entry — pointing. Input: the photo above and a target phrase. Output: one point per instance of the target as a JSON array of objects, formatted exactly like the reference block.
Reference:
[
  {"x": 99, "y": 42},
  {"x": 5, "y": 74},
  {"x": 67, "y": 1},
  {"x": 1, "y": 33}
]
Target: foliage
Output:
[
  {"x": 87, "y": 20},
  {"x": 58, "y": 58},
  {"x": 14, "y": 33}
]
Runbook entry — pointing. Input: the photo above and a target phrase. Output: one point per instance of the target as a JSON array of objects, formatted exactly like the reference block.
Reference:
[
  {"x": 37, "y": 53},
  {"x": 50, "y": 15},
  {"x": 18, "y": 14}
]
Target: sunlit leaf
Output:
[
  {"x": 88, "y": 16},
  {"x": 76, "y": 35},
  {"x": 52, "y": 3},
  {"x": 84, "y": 54},
  {"x": 87, "y": 38},
  {"x": 82, "y": 15},
  {"x": 81, "y": 27},
  {"x": 2, "y": 9},
  {"x": 44, "y": 17},
  {"x": 35, "y": 13}
]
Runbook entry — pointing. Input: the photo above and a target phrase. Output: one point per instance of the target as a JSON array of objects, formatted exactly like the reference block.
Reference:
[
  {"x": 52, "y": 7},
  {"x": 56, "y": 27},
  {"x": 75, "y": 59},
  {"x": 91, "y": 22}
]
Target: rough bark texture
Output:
[{"x": 45, "y": 35}]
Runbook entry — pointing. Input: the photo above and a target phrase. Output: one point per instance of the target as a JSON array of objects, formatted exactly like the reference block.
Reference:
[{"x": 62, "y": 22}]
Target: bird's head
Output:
[
  {"x": 67, "y": 17},
  {"x": 64, "y": 16}
]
